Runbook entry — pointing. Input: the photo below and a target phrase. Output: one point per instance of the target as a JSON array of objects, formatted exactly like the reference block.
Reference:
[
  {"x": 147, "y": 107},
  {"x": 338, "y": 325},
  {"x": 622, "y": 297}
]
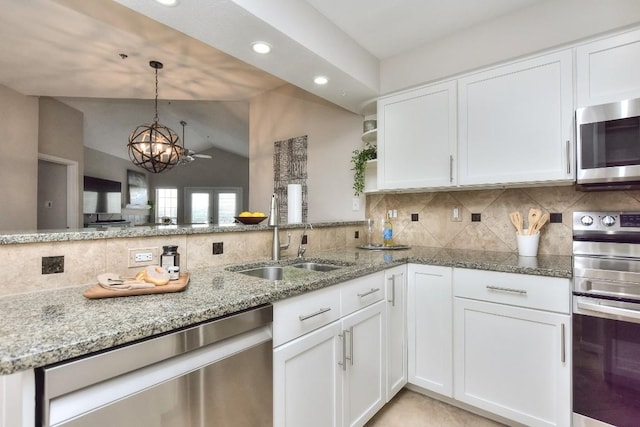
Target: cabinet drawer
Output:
[
  {"x": 538, "y": 292},
  {"x": 361, "y": 292},
  {"x": 296, "y": 316}
]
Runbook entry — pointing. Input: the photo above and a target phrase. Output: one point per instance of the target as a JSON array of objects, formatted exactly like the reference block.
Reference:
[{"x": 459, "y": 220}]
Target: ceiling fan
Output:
[{"x": 189, "y": 155}]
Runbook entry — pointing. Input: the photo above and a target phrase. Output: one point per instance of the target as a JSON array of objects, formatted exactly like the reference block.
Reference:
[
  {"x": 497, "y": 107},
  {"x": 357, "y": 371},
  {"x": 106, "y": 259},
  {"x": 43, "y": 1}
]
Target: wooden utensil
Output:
[
  {"x": 544, "y": 218},
  {"x": 516, "y": 220},
  {"x": 533, "y": 218}
]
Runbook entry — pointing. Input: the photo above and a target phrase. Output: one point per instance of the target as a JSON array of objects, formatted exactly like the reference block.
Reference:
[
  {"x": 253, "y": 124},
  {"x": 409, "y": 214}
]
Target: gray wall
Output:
[{"x": 19, "y": 160}]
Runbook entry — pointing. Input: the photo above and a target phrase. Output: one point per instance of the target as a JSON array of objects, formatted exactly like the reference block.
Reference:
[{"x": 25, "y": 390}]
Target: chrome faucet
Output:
[
  {"x": 303, "y": 241},
  {"x": 274, "y": 221}
]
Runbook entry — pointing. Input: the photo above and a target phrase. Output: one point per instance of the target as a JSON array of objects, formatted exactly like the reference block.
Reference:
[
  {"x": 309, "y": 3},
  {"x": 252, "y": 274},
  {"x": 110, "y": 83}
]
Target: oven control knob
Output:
[
  {"x": 608, "y": 221},
  {"x": 586, "y": 220}
]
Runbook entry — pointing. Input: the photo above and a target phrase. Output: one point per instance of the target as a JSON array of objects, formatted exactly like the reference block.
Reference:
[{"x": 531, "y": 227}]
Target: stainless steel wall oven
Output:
[{"x": 606, "y": 319}]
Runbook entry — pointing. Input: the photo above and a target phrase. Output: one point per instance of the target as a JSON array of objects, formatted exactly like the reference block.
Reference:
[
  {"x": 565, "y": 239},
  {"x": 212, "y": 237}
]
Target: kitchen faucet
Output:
[
  {"x": 274, "y": 221},
  {"x": 303, "y": 241}
]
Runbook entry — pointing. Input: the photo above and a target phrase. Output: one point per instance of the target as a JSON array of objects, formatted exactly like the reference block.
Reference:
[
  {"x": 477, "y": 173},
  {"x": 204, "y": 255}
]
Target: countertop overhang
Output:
[{"x": 47, "y": 327}]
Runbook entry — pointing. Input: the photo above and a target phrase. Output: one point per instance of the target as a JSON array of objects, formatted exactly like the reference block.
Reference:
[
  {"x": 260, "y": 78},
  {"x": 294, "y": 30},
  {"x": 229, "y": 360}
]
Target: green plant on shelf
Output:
[{"x": 359, "y": 160}]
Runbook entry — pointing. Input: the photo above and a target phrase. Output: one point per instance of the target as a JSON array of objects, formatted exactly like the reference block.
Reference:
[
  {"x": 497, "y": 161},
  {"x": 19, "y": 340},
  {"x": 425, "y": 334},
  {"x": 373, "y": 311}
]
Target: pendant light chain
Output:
[{"x": 156, "y": 117}]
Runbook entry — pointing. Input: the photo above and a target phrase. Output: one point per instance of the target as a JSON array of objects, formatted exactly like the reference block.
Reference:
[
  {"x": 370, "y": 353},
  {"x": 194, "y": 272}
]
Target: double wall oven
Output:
[{"x": 606, "y": 319}]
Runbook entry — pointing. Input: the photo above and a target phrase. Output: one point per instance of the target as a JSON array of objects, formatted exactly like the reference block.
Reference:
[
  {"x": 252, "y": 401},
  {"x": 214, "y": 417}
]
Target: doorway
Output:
[
  {"x": 58, "y": 205},
  {"x": 212, "y": 205}
]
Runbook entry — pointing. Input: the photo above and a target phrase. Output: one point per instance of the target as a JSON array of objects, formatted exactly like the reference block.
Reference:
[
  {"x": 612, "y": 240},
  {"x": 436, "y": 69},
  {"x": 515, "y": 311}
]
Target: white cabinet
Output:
[
  {"x": 417, "y": 138},
  {"x": 307, "y": 380},
  {"x": 512, "y": 359},
  {"x": 429, "y": 324},
  {"x": 330, "y": 374},
  {"x": 363, "y": 364},
  {"x": 516, "y": 123},
  {"x": 17, "y": 399},
  {"x": 396, "y": 282},
  {"x": 607, "y": 69}
]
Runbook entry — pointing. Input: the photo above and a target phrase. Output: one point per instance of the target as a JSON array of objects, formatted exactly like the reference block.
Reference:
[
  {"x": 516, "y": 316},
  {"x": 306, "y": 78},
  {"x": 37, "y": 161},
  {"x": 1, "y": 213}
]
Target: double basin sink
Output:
[{"x": 276, "y": 272}]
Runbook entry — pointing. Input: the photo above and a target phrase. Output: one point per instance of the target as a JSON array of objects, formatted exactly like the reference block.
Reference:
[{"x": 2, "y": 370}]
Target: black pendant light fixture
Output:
[{"x": 155, "y": 147}]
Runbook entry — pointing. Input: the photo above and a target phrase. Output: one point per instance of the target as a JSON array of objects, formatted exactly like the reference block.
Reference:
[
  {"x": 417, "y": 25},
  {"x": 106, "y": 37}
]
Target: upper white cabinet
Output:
[
  {"x": 417, "y": 138},
  {"x": 607, "y": 70},
  {"x": 516, "y": 123}
]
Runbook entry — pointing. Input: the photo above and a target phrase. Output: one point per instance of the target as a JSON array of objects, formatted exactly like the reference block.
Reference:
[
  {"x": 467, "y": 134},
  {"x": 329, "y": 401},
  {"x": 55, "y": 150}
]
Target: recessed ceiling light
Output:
[
  {"x": 321, "y": 80},
  {"x": 167, "y": 2},
  {"x": 261, "y": 47}
]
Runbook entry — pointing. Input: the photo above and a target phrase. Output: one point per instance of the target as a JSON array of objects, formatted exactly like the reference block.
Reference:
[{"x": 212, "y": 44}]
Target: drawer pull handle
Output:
[
  {"x": 317, "y": 313},
  {"x": 343, "y": 336},
  {"x": 512, "y": 290},
  {"x": 372, "y": 291},
  {"x": 563, "y": 349}
]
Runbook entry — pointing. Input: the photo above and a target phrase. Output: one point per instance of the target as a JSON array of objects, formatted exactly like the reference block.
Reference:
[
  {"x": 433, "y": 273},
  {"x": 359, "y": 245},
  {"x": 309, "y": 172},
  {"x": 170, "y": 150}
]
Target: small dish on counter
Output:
[
  {"x": 250, "y": 220},
  {"x": 384, "y": 248}
]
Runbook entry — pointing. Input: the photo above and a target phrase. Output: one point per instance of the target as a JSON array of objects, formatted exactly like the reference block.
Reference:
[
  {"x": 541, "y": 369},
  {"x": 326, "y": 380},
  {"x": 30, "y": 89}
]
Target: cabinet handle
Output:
[
  {"x": 568, "y": 157},
  {"x": 350, "y": 345},
  {"x": 450, "y": 168},
  {"x": 393, "y": 290},
  {"x": 343, "y": 335},
  {"x": 372, "y": 291},
  {"x": 317, "y": 313},
  {"x": 563, "y": 350},
  {"x": 501, "y": 289}
]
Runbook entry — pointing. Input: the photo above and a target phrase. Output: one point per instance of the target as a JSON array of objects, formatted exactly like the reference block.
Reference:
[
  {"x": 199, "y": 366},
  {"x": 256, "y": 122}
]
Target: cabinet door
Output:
[
  {"x": 364, "y": 374},
  {"x": 516, "y": 123},
  {"x": 607, "y": 70},
  {"x": 396, "y": 282},
  {"x": 417, "y": 138},
  {"x": 17, "y": 399},
  {"x": 513, "y": 362},
  {"x": 429, "y": 317},
  {"x": 307, "y": 380}
]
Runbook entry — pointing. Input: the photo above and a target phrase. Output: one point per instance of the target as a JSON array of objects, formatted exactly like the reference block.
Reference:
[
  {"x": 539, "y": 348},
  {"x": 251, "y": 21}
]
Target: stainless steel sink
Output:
[
  {"x": 267, "y": 272},
  {"x": 316, "y": 266}
]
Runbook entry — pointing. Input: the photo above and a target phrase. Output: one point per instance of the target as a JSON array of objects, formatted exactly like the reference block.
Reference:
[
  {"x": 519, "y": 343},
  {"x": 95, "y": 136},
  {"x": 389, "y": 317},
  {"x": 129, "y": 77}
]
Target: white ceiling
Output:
[{"x": 70, "y": 49}]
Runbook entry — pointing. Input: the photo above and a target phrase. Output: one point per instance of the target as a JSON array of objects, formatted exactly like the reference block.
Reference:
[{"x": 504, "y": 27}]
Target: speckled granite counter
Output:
[{"x": 46, "y": 327}]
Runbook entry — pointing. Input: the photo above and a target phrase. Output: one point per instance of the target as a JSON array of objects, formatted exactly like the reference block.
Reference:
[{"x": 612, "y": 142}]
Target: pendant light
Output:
[{"x": 155, "y": 147}]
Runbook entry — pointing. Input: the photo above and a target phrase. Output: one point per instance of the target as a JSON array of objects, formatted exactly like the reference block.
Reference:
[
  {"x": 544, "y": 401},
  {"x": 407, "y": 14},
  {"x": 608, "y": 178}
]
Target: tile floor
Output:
[{"x": 410, "y": 409}]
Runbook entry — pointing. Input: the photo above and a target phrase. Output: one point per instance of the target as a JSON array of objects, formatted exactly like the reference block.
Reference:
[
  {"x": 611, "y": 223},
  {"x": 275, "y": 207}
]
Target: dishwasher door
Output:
[{"x": 224, "y": 383}]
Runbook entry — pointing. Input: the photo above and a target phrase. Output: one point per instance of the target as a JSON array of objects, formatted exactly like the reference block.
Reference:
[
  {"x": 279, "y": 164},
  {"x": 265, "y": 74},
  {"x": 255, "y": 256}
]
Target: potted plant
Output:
[{"x": 359, "y": 160}]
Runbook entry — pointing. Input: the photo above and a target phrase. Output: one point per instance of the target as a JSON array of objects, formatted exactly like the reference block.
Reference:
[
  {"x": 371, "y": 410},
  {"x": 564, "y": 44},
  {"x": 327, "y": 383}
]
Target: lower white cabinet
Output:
[
  {"x": 17, "y": 399},
  {"x": 334, "y": 375},
  {"x": 511, "y": 359},
  {"x": 429, "y": 325},
  {"x": 396, "y": 282}
]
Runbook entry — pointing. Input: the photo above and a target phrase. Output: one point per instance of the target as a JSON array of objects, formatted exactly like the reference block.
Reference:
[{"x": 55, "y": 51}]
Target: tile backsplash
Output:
[{"x": 494, "y": 231}]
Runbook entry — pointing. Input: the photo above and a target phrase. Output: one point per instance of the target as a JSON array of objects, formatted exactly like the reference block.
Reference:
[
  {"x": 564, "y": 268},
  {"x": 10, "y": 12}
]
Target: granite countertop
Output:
[{"x": 51, "y": 326}]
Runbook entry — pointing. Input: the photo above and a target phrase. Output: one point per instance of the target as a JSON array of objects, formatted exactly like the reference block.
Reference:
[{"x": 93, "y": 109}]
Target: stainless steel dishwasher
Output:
[{"x": 218, "y": 373}]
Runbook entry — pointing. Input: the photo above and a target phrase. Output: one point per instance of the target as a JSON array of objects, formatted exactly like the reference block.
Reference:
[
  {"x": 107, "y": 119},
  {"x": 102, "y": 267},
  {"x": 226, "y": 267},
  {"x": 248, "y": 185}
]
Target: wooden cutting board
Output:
[{"x": 97, "y": 291}]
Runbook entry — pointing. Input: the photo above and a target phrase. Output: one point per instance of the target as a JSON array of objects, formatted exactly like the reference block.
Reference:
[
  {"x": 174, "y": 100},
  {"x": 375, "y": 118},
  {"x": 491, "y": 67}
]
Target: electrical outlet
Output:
[
  {"x": 141, "y": 257},
  {"x": 555, "y": 218},
  {"x": 456, "y": 214},
  {"x": 414, "y": 217},
  {"x": 218, "y": 248},
  {"x": 476, "y": 217}
]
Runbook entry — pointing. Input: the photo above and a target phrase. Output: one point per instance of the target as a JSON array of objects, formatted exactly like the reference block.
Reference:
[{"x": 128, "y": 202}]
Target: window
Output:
[{"x": 167, "y": 204}]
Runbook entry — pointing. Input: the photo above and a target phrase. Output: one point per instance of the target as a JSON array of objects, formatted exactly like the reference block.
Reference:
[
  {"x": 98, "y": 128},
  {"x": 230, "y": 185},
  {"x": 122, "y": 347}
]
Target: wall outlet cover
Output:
[
  {"x": 141, "y": 257},
  {"x": 555, "y": 218},
  {"x": 414, "y": 217},
  {"x": 476, "y": 217},
  {"x": 356, "y": 236}
]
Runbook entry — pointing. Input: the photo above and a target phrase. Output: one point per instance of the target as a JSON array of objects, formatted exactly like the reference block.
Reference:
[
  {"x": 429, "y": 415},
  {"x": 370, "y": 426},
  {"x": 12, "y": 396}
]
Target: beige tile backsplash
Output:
[
  {"x": 494, "y": 232},
  {"x": 84, "y": 260}
]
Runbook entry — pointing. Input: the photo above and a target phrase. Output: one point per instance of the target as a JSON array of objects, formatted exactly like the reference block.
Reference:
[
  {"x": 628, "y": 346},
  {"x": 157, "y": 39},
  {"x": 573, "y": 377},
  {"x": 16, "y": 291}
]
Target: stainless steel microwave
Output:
[{"x": 608, "y": 145}]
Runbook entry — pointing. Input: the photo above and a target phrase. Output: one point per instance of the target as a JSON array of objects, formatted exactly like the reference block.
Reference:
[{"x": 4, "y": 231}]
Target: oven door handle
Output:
[{"x": 607, "y": 309}]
